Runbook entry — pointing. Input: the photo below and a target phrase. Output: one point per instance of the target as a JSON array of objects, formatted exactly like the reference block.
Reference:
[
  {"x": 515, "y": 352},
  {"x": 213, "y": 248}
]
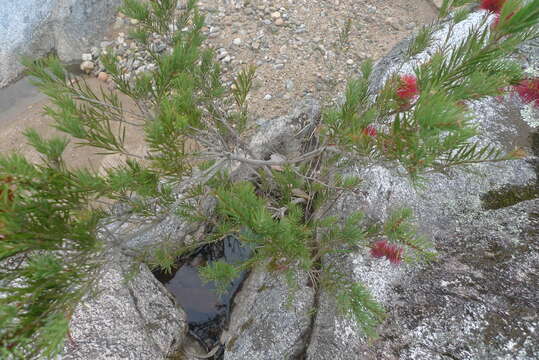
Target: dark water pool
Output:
[{"x": 207, "y": 312}]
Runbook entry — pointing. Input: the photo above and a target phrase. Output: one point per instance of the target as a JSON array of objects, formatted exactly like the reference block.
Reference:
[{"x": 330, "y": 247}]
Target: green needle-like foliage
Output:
[
  {"x": 47, "y": 251},
  {"x": 355, "y": 300},
  {"x": 50, "y": 213},
  {"x": 220, "y": 273},
  {"x": 421, "y": 41}
]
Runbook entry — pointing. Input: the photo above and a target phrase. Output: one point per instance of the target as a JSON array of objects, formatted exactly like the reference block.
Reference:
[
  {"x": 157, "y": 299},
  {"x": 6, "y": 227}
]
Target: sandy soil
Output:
[
  {"x": 28, "y": 112},
  {"x": 306, "y": 47}
]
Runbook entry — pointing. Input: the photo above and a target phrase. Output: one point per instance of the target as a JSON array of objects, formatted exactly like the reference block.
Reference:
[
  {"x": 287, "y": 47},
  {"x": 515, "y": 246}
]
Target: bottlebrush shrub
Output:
[{"x": 50, "y": 213}]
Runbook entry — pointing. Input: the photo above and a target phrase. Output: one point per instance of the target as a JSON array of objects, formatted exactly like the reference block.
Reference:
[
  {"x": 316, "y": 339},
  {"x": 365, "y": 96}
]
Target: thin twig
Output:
[
  {"x": 80, "y": 97},
  {"x": 257, "y": 162}
]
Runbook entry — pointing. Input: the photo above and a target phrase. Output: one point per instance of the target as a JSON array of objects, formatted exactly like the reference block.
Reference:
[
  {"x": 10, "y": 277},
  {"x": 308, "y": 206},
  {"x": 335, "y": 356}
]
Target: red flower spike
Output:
[
  {"x": 370, "y": 131},
  {"x": 529, "y": 91},
  {"x": 391, "y": 252},
  {"x": 494, "y": 6},
  {"x": 407, "y": 89}
]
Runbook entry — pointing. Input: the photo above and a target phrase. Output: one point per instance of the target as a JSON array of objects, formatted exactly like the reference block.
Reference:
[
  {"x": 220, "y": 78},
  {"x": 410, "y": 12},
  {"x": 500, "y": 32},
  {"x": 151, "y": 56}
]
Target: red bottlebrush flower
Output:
[
  {"x": 407, "y": 89},
  {"x": 370, "y": 131},
  {"x": 391, "y": 252},
  {"x": 529, "y": 91},
  {"x": 494, "y": 6}
]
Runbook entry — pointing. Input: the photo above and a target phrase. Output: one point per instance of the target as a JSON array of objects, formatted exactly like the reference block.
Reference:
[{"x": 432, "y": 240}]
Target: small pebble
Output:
[
  {"x": 103, "y": 76},
  {"x": 237, "y": 41},
  {"x": 289, "y": 85},
  {"x": 267, "y": 97},
  {"x": 279, "y": 22},
  {"x": 87, "y": 66},
  {"x": 95, "y": 52}
]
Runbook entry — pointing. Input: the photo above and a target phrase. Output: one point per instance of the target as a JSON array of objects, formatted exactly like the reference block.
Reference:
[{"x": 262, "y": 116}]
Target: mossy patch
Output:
[
  {"x": 247, "y": 324},
  {"x": 231, "y": 342},
  {"x": 509, "y": 195}
]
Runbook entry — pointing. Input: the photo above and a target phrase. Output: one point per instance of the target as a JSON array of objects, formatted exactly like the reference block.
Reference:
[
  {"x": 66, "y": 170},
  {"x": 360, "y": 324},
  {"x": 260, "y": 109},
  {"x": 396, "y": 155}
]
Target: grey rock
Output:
[
  {"x": 269, "y": 319},
  {"x": 286, "y": 134},
  {"x": 437, "y": 3},
  {"x": 37, "y": 27},
  {"x": 192, "y": 350},
  {"x": 480, "y": 299},
  {"x": 126, "y": 318},
  {"x": 134, "y": 234}
]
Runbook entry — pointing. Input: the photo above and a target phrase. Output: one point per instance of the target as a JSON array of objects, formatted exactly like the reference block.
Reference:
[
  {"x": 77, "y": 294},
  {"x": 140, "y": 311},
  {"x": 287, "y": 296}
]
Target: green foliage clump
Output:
[
  {"x": 195, "y": 128},
  {"x": 221, "y": 273},
  {"x": 48, "y": 248}
]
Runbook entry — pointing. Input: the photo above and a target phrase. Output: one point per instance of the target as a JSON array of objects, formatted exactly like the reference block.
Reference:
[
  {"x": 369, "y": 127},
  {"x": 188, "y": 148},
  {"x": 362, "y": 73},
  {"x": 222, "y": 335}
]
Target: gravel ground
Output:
[
  {"x": 306, "y": 46},
  {"x": 299, "y": 47}
]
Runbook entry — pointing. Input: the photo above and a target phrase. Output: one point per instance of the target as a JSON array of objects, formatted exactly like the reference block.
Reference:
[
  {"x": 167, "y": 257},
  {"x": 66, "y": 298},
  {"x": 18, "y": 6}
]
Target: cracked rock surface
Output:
[
  {"x": 269, "y": 320},
  {"x": 479, "y": 299},
  {"x": 126, "y": 318}
]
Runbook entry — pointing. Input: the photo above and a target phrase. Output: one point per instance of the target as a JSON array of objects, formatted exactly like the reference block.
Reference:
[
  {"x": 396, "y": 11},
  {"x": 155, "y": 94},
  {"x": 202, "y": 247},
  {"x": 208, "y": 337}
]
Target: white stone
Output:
[{"x": 87, "y": 66}]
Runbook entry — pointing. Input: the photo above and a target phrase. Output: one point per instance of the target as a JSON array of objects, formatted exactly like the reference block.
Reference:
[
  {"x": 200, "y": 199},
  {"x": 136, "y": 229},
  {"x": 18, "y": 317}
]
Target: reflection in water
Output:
[
  {"x": 207, "y": 312},
  {"x": 199, "y": 300}
]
